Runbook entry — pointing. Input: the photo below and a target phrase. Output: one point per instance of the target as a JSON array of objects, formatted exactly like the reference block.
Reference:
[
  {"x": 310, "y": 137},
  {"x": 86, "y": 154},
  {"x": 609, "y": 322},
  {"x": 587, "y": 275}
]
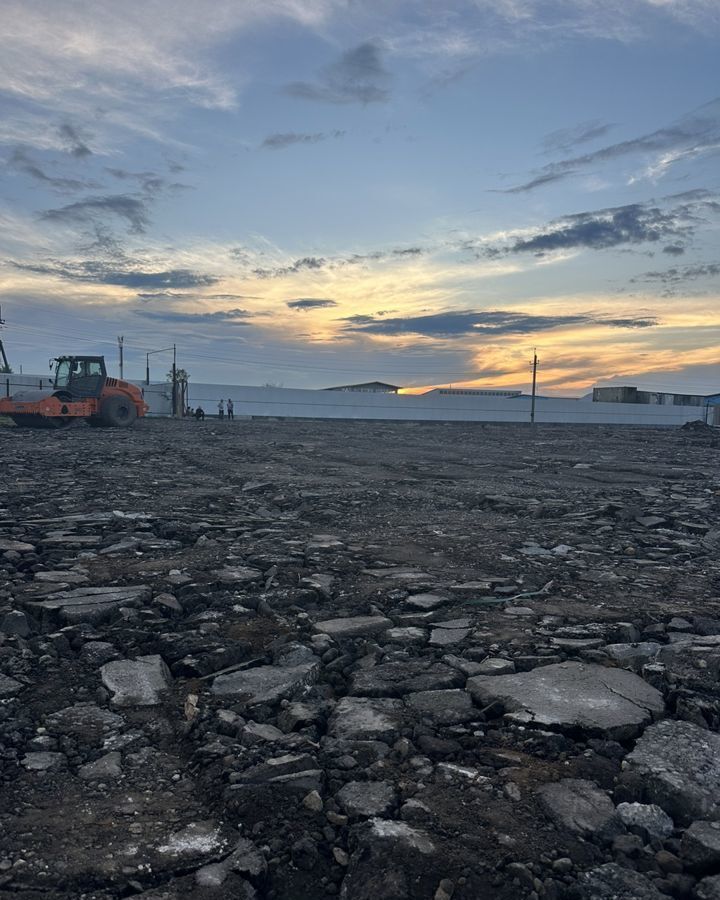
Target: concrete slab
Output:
[
  {"x": 676, "y": 765},
  {"x": 580, "y": 807},
  {"x": 367, "y": 719},
  {"x": 87, "y": 604},
  {"x": 352, "y": 627},
  {"x": 572, "y": 696},
  {"x": 136, "y": 682},
  {"x": 451, "y": 707},
  {"x": 266, "y": 684},
  {"x": 364, "y": 799},
  {"x": 395, "y": 679}
]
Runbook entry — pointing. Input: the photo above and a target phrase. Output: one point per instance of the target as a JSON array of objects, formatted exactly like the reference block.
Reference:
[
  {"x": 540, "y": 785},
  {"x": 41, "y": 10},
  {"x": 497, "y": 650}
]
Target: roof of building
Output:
[
  {"x": 368, "y": 385},
  {"x": 477, "y": 392}
]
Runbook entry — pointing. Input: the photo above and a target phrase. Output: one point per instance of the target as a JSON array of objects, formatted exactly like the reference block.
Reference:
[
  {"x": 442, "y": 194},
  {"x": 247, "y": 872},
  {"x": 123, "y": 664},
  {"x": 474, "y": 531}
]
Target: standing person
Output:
[
  {"x": 231, "y": 409},
  {"x": 221, "y": 409}
]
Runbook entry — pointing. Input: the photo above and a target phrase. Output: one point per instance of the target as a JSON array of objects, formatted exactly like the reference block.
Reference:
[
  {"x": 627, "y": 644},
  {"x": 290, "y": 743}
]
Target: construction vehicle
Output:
[{"x": 81, "y": 390}]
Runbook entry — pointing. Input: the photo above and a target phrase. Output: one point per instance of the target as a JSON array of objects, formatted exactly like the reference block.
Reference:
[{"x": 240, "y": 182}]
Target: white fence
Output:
[
  {"x": 12, "y": 383},
  {"x": 295, "y": 403},
  {"x": 433, "y": 407}
]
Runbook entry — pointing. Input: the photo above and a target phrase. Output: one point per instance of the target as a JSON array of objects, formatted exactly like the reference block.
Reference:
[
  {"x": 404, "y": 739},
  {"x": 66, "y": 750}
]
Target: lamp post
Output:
[{"x": 147, "y": 360}]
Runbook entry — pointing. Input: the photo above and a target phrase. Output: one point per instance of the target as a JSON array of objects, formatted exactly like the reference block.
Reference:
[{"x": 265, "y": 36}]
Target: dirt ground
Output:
[{"x": 227, "y": 543}]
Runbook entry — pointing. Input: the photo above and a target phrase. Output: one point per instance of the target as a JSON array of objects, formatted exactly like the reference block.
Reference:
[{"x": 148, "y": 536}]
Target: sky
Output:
[{"x": 309, "y": 193}]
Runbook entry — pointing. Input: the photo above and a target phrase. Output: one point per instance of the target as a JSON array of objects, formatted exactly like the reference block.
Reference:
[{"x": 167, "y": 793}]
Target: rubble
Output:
[
  {"x": 676, "y": 765},
  {"x": 137, "y": 682},
  {"x": 353, "y": 626},
  {"x": 701, "y": 846},
  {"x": 646, "y": 820},
  {"x": 611, "y": 882},
  {"x": 581, "y": 807},
  {"x": 265, "y": 684},
  {"x": 286, "y": 660}
]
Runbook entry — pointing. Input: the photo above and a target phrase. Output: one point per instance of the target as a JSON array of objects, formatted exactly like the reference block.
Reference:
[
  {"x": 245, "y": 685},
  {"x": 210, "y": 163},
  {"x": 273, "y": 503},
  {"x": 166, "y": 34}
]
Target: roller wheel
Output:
[
  {"x": 58, "y": 422},
  {"x": 33, "y": 420},
  {"x": 28, "y": 420},
  {"x": 119, "y": 412}
]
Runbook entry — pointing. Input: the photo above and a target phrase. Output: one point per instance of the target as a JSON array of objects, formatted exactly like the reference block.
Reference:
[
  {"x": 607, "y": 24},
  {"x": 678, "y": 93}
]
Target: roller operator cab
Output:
[{"x": 81, "y": 390}]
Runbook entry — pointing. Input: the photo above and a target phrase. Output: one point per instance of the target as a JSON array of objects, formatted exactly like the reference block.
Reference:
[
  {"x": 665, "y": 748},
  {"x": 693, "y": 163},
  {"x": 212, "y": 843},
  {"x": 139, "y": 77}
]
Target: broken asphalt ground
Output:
[{"x": 291, "y": 659}]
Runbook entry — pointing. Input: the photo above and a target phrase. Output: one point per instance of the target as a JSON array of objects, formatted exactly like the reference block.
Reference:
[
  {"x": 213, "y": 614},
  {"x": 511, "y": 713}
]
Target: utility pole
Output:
[
  {"x": 534, "y": 385},
  {"x": 121, "y": 341},
  {"x": 4, "y": 364},
  {"x": 174, "y": 382}
]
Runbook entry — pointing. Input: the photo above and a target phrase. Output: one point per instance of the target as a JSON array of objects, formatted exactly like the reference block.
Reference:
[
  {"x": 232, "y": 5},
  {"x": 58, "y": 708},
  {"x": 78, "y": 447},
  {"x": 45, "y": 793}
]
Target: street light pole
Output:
[
  {"x": 174, "y": 382},
  {"x": 150, "y": 353},
  {"x": 534, "y": 386}
]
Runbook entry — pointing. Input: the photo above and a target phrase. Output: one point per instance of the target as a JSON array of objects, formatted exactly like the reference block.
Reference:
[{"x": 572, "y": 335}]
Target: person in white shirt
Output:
[{"x": 221, "y": 409}]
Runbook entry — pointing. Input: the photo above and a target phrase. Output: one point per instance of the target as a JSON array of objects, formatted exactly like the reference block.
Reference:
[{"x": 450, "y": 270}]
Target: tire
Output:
[{"x": 118, "y": 412}]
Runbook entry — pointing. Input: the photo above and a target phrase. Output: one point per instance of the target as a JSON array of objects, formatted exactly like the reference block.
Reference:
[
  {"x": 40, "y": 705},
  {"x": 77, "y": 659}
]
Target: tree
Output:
[{"x": 182, "y": 377}]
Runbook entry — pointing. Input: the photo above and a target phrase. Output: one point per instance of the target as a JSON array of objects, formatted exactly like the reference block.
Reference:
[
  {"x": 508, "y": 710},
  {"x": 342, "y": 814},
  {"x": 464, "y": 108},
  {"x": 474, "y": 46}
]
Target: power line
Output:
[
  {"x": 303, "y": 366},
  {"x": 240, "y": 361}
]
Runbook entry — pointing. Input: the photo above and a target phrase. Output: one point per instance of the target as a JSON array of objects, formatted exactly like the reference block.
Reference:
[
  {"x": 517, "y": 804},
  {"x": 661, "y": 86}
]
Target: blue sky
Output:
[{"x": 311, "y": 193}]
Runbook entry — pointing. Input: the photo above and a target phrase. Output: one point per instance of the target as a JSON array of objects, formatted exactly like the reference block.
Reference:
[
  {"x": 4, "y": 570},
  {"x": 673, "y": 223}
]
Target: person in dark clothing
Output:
[
  {"x": 230, "y": 409},
  {"x": 199, "y": 413}
]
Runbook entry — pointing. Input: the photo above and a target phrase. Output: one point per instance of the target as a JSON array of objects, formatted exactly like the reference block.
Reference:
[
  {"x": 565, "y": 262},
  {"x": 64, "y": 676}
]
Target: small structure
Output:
[
  {"x": 625, "y": 394},
  {"x": 369, "y": 387}
]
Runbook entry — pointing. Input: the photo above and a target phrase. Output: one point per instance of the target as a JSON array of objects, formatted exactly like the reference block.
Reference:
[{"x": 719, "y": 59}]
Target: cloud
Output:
[
  {"x": 282, "y": 140},
  {"x": 454, "y": 323},
  {"x": 357, "y": 77},
  {"x": 567, "y": 138},
  {"x": 540, "y": 181},
  {"x": 320, "y": 262},
  {"x": 224, "y": 317},
  {"x": 123, "y": 206},
  {"x": 696, "y": 131},
  {"x": 693, "y": 135},
  {"x": 638, "y": 322},
  {"x": 175, "y": 295},
  {"x": 22, "y": 162},
  {"x": 635, "y": 223},
  {"x": 680, "y": 274},
  {"x": 66, "y": 55},
  {"x": 408, "y": 251},
  {"x": 632, "y": 224},
  {"x": 74, "y": 141},
  {"x": 305, "y": 303},
  {"x": 102, "y": 273},
  {"x": 307, "y": 262},
  {"x": 151, "y": 183}
]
